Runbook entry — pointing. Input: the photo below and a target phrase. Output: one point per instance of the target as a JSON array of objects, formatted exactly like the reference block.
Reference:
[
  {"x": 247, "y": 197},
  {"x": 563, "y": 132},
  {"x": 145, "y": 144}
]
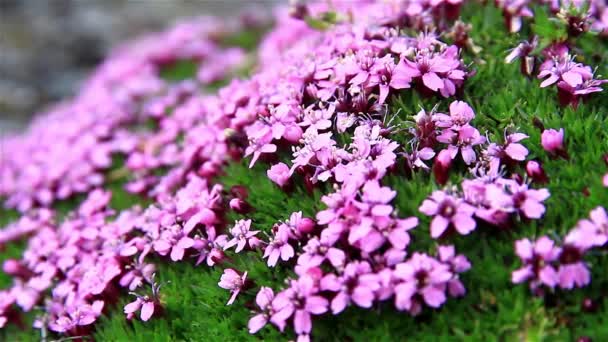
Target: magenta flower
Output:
[
  {"x": 518, "y": 197},
  {"x": 301, "y": 300},
  {"x": 279, "y": 174},
  {"x": 448, "y": 211},
  {"x": 263, "y": 300},
  {"x": 141, "y": 303},
  {"x": 387, "y": 75},
  {"x": 80, "y": 315},
  {"x": 233, "y": 281},
  {"x": 537, "y": 258},
  {"x": 241, "y": 235},
  {"x": 137, "y": 274},
  {"x": 462, "y": 141},
  {"x": 173, "y": 240},
  {"x": 279, "y": 246},
  {"x": 460, "y": 116},
  {"x": 596, "y": 227},
  {"x": 458, "y": 264},
  {"x": 210, "y": 248},
  {"x": 147, "y": 304},
  {"x": 357, "y": 283},
  {"x": 421, "y": 278},
  {"x": 573, "y": 271}
]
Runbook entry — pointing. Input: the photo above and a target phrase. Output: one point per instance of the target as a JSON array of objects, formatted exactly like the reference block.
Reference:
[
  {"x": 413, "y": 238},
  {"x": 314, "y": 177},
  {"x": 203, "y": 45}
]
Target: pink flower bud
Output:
[
  {"x": 293, "y": 134},
  {"x": 553, "y": 141},
  {"x": 239, "y": 206},
  {"x": 279, "y": 173},
  {"x": 441, "y": 167},
  {"x": 11, "y": 267},
  {"x": 536, "y": 172},
  {"x": 306, "y": 225}
]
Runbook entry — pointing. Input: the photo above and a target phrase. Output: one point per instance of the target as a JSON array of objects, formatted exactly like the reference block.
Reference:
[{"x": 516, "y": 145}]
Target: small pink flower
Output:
[
  {"x": 421, "y": 279},
  {"x": 458, "y": 264},
  {"x": 263, "y": 300},
  {"x": 448, "y": 211},
  {"x": 357, "y": 284},
  {"x": 241, "y": 235},
  {"x": 537, "y": 258},
  {"x": 279, "y": 246},
  {"x": 233, "y": 281},
  {"x": 141, "y": 303}
]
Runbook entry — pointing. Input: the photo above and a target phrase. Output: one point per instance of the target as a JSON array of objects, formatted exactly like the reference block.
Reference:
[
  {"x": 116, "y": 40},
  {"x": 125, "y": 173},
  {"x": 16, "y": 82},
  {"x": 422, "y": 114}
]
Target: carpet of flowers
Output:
[{"x": 319, "y": 109}]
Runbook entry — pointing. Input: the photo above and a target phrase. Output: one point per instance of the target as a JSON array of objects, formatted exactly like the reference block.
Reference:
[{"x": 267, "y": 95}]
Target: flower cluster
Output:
[
  {"x": 574, "y": 81},
  {"x": 577, "y": 16},
  {"x": 547, "y": 265},
  {"x": 89, "y": 130}
]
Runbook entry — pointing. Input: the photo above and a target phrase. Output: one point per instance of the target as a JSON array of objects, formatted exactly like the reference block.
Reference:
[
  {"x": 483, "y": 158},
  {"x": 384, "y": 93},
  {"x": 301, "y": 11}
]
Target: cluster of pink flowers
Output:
[
  {"x": 547, "y": 265},
  {"x": 123, "y": 92},
  {"x": 68, "y": 267},
  {"x": 578, "y": 16},
  {"x": 574, "y": 81},
  {"x": 489, "y": 196}
]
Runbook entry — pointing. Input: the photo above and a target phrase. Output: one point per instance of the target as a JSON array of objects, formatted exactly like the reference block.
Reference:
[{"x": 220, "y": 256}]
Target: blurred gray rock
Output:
[{"x": 48, "y": 46}]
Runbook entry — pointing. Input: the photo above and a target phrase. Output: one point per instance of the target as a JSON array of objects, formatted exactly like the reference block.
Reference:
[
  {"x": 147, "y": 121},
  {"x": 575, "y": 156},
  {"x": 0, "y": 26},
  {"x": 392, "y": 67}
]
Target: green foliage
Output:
[{"x": 493, "y": 309}]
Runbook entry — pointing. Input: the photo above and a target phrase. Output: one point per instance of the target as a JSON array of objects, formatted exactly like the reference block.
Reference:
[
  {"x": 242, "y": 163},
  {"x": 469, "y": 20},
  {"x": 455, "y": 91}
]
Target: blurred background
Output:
[{"x": 48, "y": 46}]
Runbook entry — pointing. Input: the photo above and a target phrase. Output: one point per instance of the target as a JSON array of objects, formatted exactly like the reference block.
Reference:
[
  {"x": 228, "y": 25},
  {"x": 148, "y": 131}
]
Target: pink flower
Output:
[
  {"x": 462, "y": 141},
  {"x": 537, "y": 258},
  {"x": 509, "y": 195},
  {"x": 553, "y": 141},
  {"x": 147, "y": 304},
  {"x": 357, "y": 283},
  {"x": 387, "y": 75},
  {"x": 301, "y": 300},
  {"x": 263, "y": 300},
  {"x": 141, "y": 303},
  {"x": 448, "y": 211},
  {"x": 460, "y": 116},
  {"x": 240, "y": 235},
  {"x": 596, "y": 227},
  {"x": 573, "y": 271},
  {"x": 233, "y": 281},
  {"x": 137, "y": 274},
  {"x": 458, "y": 264},
  {"x": 279, "y": 246},
  {"x": 80, "y": 315},
  {"x": 174, "y": 240},
  {"x": 421, "y": 278}
]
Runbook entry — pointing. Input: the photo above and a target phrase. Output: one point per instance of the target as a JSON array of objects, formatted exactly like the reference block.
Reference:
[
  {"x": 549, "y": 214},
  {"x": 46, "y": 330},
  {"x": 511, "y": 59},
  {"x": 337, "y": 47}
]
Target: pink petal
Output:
[
  {"x": 363, "y": 297},
  {"x": 438, "y": 226},
  {"x": 302, "y": 322},
  {"x": 339, "y": 303},
  {"x": 432, "y": 81},
  {"x": 433, "y": 296},
  {"x": 147, "y": 310},
  {"x": 463, "y": 223},
  {"x": 516, "y": 151},
  {"x": 256, "y": 323}
]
